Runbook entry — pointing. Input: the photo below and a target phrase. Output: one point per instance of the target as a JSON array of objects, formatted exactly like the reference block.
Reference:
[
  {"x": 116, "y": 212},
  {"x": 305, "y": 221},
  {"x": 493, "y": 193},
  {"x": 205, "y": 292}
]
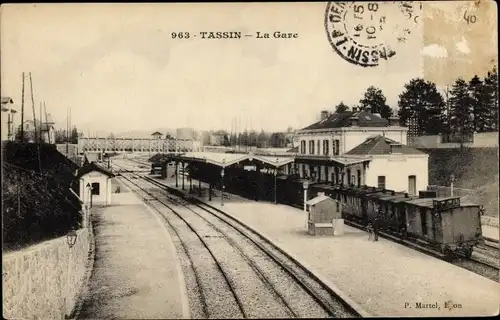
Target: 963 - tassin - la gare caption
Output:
[{"x": 221, "y": 35}]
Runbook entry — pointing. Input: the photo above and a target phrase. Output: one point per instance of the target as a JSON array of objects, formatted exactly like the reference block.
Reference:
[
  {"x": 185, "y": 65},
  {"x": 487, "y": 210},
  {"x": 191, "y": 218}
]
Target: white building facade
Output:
[
  {"x": 95, "y": 184},
  {"x": 361, "y": 148}
]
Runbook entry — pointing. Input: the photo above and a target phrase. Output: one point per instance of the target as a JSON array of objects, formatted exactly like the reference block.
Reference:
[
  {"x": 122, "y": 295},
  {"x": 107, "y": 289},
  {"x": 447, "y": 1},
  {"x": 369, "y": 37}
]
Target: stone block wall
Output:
[{"x": 43, "y": 281}]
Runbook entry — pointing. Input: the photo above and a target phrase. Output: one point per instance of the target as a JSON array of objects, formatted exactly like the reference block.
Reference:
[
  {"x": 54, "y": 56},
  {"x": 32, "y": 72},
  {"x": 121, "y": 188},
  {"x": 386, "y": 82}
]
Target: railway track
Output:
[{"x": 231, "y": 270}]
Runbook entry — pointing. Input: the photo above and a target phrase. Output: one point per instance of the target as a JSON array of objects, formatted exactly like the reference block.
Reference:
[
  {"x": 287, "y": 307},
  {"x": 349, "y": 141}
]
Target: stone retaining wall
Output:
[{"x": 43, "y": 281}]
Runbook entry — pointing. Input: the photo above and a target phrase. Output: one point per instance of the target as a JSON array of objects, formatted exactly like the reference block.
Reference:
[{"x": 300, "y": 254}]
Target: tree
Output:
[
  {"x": 480, "y": 108},
  {"x": 252, "y": 138},
  {"x": 460, "y": 118},
  {"x": 422, "y": 101},
  {"x": 491, "y": 97},
  {"x": 277, "y": 140},
  {"x": 262, "y": 139},
  {"x": 375, "y": 100},
  {"x": 341, "y": 107},
  {"x": 74, "y": 135}
]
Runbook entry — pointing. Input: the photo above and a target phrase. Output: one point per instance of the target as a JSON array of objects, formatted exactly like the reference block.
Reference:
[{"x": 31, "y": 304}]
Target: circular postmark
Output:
[{"x": 364, "y": 33}]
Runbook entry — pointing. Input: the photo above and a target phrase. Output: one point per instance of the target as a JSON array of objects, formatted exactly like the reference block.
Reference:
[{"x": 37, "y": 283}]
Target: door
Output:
[
  {"x": 359, "y": 177},
  {"x": 412, "y": 185}
]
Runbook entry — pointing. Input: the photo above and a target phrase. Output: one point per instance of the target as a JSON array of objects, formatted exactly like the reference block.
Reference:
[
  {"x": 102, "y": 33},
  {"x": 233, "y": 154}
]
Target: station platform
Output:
[
  {"x": 136, "y": 273},
  {"x": 490, "y": 232},
  {"x": 384, "y": 278}
]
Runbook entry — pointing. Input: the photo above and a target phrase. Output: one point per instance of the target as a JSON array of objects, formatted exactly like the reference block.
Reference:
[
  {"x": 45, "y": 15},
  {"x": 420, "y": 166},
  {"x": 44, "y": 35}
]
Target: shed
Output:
[
  {"x": 95, "y": 184},
  {"x": 324, "y": 213}
]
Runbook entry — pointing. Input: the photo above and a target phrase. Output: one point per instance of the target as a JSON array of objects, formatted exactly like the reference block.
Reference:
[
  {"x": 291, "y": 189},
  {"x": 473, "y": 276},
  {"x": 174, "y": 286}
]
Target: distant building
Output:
[
  {"x": 217, "y": 139},
  {"x": 157, "y": 135},
  {"x": 8, "y": 112},
  {"x": 47, "y": 130},
  {"x": 361, "y": 148},
  {"x": 338, "y": 133},
  {"x": 185, "y": 134}
]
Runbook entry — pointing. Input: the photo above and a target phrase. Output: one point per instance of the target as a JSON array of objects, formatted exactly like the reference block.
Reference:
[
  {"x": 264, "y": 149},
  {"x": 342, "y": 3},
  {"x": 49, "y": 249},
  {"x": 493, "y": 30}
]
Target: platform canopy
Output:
[
  {"x": 330, "y": 160},
  {"x": 227, "y": 159}
]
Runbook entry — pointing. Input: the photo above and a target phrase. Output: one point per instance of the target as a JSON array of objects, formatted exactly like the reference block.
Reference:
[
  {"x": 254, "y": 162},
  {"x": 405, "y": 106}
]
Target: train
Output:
[{"x": 447, "y": 225}]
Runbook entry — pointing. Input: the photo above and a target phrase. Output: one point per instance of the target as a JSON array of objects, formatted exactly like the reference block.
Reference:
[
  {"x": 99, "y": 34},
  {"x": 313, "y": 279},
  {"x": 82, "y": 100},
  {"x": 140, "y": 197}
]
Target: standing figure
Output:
[{"x": 376, "y": 227}]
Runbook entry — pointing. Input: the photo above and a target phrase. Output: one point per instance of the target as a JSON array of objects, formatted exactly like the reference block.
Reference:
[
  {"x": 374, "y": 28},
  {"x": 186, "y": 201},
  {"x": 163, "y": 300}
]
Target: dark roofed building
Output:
[
  {"x": 359, "y": 147},
  {"x": 380, "y": 145},
  {"x": 349, "y": 119}
]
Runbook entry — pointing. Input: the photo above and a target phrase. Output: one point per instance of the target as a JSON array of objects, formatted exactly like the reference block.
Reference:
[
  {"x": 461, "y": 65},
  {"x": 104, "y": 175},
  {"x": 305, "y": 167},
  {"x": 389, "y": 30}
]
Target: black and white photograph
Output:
[{"x": 250, "y": 160}]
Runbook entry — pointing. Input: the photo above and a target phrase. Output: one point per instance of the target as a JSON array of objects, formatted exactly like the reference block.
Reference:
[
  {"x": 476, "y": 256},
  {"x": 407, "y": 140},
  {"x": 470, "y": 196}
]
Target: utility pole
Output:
[
  {"x": 41, "y": 123},
  {"x": 22, "y": 112},
  {"x": 46, "y": 120},
  {"x": 33, "y": 107}
]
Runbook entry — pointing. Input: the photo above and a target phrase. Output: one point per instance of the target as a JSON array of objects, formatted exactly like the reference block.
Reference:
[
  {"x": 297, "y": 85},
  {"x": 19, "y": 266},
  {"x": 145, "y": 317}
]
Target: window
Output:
[
  {"x": 303, "y": 147},
  {"x": 336, "y": 147},
  {"x": 95, "y": 188},
  {"x": 318, "y": 143},
  {"x": 412, "y": 185},
  {"x": 359, "y": 178},
  {"x": 381, "y": 182},
  {"x": 311, "y": 147},
  {"x": 325, "y": 147}
]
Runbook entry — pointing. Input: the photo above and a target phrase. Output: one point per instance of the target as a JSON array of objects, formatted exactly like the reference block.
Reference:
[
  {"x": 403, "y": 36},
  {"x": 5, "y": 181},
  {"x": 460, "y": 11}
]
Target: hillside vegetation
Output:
[{"x": 474, "y": 168}]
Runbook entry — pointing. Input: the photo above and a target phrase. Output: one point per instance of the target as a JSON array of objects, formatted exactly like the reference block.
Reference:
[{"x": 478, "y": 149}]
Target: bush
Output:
[{"x": 35, "y": 208}]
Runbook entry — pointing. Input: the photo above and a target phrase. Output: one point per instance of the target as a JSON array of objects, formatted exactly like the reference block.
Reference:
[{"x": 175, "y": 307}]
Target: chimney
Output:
[
  {"x": 394, "y": 121},
  {"x": 354, "y": 109},
  {"x": 367, "y": 109},
  {"x": 353, "y": 121},
  {"x": 324, "y": 114}
]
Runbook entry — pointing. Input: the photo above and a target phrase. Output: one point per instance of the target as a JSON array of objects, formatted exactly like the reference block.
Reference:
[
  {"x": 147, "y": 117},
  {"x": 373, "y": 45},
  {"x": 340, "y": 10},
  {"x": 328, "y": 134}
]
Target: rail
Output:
[{"x": 298, "y": 271}]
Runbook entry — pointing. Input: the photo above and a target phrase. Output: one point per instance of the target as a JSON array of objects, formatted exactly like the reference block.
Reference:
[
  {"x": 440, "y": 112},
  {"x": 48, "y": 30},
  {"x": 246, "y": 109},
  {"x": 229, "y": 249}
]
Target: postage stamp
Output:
[{"x": 364, "y": 33}]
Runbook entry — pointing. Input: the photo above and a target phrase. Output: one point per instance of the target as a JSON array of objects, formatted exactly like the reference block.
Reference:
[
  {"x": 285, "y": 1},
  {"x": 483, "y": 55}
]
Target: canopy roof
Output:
[{"x": 227, "y": 159}]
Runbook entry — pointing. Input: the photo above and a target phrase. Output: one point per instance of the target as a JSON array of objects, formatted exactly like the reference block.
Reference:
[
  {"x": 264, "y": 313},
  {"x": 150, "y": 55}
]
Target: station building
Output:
[{"x": 360, "y": 148}]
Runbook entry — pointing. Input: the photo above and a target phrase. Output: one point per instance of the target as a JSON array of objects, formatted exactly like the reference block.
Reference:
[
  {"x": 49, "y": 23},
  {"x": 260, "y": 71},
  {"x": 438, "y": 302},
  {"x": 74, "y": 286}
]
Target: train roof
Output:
[
  {"x": 429, "y": 202},
  {"x": 397, "y": 198}
]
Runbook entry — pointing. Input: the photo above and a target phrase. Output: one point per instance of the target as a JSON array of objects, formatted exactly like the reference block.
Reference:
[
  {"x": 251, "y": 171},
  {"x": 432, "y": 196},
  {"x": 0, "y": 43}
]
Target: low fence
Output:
[
  {"x": 443, "y": 191},
  {"x": 44, "y": 281}
]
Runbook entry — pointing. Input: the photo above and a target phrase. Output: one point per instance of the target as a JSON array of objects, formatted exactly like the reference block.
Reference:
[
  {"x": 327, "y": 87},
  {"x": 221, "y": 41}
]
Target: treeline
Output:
[
  {"x": 467, "y": 107},
  {"x": 252, "y": 138}
]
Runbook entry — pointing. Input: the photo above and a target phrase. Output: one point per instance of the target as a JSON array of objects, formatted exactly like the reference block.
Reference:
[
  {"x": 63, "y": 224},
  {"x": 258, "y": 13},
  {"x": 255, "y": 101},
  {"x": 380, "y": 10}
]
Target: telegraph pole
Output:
[
  {"x": 22, "y": 112},
  {"x": 33, "y": 107}
]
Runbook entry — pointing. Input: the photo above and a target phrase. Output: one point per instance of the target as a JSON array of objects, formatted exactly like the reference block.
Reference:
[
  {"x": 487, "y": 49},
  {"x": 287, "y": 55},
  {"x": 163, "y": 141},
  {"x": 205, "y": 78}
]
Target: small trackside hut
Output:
[
  {"x": 324, "y": 216},
  {"x": 94, "y": 184}
]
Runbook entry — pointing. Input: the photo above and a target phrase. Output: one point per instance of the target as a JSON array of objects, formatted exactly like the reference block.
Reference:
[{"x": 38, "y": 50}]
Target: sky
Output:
[{"x": 118, "y": 68}]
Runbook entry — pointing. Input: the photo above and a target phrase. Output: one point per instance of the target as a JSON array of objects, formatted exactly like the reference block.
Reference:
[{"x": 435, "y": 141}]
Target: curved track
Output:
[{"x": 253, "y": 278}]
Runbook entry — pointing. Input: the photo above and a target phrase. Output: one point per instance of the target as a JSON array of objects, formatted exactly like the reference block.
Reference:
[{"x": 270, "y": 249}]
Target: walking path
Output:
[
  {"x": 136, "y": 273},
  {"x": 384, "y": 278}
]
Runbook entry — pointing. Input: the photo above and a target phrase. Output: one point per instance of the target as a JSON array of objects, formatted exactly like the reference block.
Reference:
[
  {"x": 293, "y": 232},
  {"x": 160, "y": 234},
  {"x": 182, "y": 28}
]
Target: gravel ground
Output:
[
  {"x": 273, "y": 279},
  {"x": 360, "y": 267},
  {"x": 243, "y": 264},
  {"x": 127, "y": 281},
  {"x": 302, "y": 304}
]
